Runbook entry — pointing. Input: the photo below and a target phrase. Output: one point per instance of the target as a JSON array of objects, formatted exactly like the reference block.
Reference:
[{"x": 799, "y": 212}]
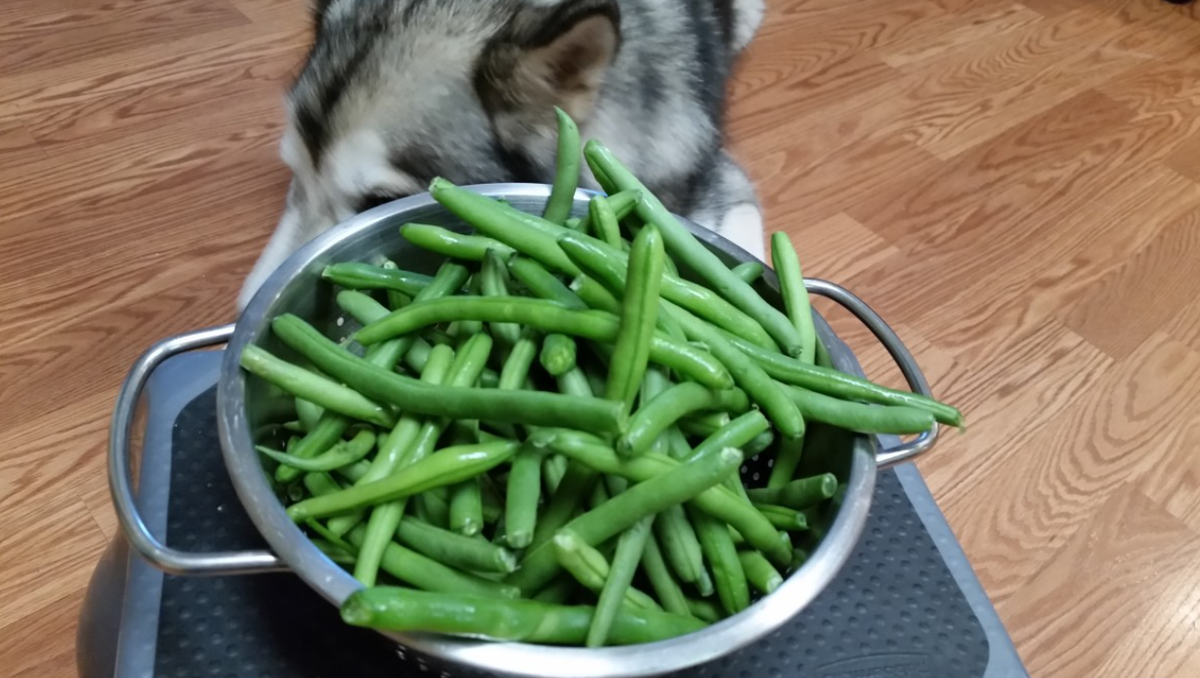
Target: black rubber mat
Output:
[{"x": 894, "y": 611}]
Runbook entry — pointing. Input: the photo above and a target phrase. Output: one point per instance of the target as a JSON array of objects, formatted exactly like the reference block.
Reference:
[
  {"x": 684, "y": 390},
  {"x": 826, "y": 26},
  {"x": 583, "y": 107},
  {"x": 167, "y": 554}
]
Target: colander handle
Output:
[
  {"x": 904, "y": 451},
  {"x": 121, "y": 483}
]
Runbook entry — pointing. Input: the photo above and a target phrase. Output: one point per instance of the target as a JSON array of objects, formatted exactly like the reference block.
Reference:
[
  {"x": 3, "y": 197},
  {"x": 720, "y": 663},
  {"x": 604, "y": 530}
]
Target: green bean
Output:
[
  {"x": 577, "y": 482},
  {"x": 894, "y": 419},
  {"x": 654, "y": 418},
  {"x": 445, "y": 467},
  {"x": 823, "y": 357},
  {"x": 623, "y": 511},
  {"x": 799, "y": 494},
  {"x": 492, "y": 278},
  {"x": 522, "y": 496},
  {"x": 703, "y": 426},
  {"x": 622, "y": 205},
  {"x": 748, "y": 271},
  {"x": 603, "y": 221},
  {"x": 639, "y": 316},
  {"x": 783, "y": 517},
  {"x": 543, "y": 283},
  {"x": 453, "y": 244},
  {"x": 795, "y": 296},
  {"x": 682, "y": 547},
  {"x": 308, "y": 414},
  {"x": 704, "y": 610},
  {"x": 428, "y": 574},
  {"x": 407, "y": 444},
  {"x": 759, "y": 443},
  {"x": 664, "y": 585},
  {"x": 608, "y": 265},
  {"x": 534, "y": 408},
  {"x": 653, "y": 385},
  {"x": 464, "y": 553},
  {"x": 308, "y": 385},
  {"x": 558, "y": 354},
  {"x": 761, "y": 574},
  {"x": 466, "y": 508},
  {"x": 566, "y": 175},
  {"x": 516, "y": 366},
  {"x": 683, "y": 245},
  {"x": 503, "y": 223},
  {"x": 838, "y": 384},
  {"x": 433, "y": 510},
  {"x": 397, "y": 299},
  {"x": 630, "y": 546},
  {"x": 728, "y": 576},
  {"x": 786, "y": 462},
  {"x": 595, "y": 295},
  {"x": 341, "y": 454},
  {"x": 554, "y": 469},
  {"x": 590, "y": 568},
  {"x": 550, "y": 317},
  {"x": 493, "y": 505},
  {"x": 573, "y": 223},
  {"x": 720, "y": 502},
  {"x": 360, "y": 276},
  {"x": 746, "y": 373},
  {"x": 529, "y": 621}
]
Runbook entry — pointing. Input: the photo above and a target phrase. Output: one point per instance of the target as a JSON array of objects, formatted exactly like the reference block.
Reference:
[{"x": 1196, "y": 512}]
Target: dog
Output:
[{"x": 396, "y": 92}]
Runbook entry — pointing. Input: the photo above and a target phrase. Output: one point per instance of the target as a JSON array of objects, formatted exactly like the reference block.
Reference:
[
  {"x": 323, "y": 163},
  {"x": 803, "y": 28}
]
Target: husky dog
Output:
[{"x": 396, "y": 92}]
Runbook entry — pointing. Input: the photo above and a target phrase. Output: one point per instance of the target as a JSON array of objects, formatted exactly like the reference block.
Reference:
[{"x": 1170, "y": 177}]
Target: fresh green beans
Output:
[
  {"x": 746, "y": 373},
  {"x": 728, "y": 576},
  {"x": 341, "y": 454},
  {"x": 529, "y": 621},
  {"x": 604, "y": 221},
  {"x": 445, "y": 467},
  {"x": 426, "y": 573},
  {"x": 639, "y": 316},
  {"x": 453, "y": 549},
  {"x": 795, "y": 296},
  {"x": 466, "y": 508},
  {"x": 630, "y": 546},
  {"x": 312, "y": 387},
  {"x": 684, "y": 246},
  {"x": 800, "y": 494},
  {"x": 749, "y": 271},
  {"x": 840, "y": 385},
  {"x": 665, "y": 586},
  {"x": 519, "y": 361},
  {"x": 360, "y": 276},
  {"x": 894, "y": 419},
  {"x": 590, "y": 568},
  {"x": 524, "y": 492},
  {"x": 535, "y": 408},
  {"x": 624, "y": 510},
  {"x": 543, "y": 284},
  {"x": 558, "y": 354},
  {"x": 609, "y": 265},
  {"x": 456, "y": 245},
  {"x": 502, "y": 223},
  {"x": 493, "y": 283},
  {"x": 759, "y": 572},
  {"x": 783, "y": 517},
  {"x": 655, "y": 417},
  {"x": 720, "y": 502},
  {"x": 566, "y": 175},
  {"x": 550, "y": 317}
]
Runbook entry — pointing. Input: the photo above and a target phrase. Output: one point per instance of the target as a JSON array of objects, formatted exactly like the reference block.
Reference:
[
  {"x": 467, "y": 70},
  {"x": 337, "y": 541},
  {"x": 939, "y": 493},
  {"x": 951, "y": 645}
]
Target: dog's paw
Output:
[{"x": 742, "y": 225}]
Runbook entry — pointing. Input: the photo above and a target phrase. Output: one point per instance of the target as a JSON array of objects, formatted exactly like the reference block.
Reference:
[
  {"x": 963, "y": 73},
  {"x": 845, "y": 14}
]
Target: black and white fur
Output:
[{"x": 396, "y": 92}]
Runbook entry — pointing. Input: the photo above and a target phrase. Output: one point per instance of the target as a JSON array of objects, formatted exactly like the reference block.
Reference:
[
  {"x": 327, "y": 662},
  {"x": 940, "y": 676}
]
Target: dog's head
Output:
[{"x": 396, "y": 92}]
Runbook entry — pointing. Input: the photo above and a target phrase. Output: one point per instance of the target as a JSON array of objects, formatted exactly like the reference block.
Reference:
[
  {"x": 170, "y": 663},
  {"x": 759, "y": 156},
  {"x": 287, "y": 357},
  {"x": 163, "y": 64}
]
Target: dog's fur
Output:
[{"x": 396, "y": 92}]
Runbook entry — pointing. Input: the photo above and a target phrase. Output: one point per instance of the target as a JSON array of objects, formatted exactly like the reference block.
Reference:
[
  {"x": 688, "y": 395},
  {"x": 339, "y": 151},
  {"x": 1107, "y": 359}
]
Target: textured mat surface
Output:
[{"x": 894, "y": 611}]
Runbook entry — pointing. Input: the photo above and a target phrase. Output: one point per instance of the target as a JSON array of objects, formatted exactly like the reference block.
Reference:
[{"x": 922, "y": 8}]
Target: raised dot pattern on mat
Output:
[{"x": 893, "y": 612}]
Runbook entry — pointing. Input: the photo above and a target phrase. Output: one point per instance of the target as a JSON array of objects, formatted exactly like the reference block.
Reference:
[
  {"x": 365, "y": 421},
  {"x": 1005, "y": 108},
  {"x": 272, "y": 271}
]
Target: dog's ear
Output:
[{"x": 550, "y": 55}]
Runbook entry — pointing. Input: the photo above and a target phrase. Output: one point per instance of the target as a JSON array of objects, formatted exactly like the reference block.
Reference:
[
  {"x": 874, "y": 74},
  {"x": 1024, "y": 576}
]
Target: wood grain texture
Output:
[{"x": 1015, "y": 185}]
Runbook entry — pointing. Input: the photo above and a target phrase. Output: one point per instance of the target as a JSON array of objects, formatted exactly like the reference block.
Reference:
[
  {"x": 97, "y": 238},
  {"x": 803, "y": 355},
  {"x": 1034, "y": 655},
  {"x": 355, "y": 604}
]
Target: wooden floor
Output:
[{"x": 1014, "y": 185}]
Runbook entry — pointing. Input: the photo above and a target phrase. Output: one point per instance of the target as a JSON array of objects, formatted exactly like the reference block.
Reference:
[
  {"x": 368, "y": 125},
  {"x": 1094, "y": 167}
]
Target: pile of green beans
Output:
[{"x": 542, "y": 441}]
